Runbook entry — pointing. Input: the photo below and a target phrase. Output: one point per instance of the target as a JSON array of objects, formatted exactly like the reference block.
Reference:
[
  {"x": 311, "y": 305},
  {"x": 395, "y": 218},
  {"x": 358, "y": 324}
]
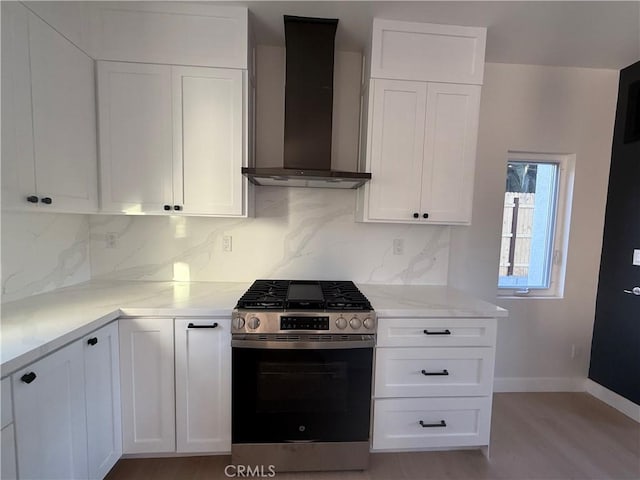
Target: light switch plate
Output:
[{"x": 636, "y": 256}]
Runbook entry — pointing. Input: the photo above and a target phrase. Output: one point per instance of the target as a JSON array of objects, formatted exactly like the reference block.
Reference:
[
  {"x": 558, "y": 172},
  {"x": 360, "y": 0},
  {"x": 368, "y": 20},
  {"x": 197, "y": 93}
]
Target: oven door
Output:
[{"x": 310, "y": 392}]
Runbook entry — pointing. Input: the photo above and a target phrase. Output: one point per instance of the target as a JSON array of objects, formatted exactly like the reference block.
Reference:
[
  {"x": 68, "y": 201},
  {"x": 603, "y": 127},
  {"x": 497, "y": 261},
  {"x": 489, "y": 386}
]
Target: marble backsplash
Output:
[
  {"x": 295, "y": 233},
  {"x": 42, "y": 252}
]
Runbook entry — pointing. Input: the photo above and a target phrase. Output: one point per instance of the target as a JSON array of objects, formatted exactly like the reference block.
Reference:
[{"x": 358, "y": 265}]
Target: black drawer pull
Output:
[
  {"x": 32, "y": 199},
  {"x": 46, "y": 200},
  {"x": 438, "y": 332},
  {"x": 28, "y": 377},
  {"x": 429, "y": 425},
  {"x": 214, "y": 325},
  {"x": 442, "y": 373},
  {"x": 92, "y": 341}
]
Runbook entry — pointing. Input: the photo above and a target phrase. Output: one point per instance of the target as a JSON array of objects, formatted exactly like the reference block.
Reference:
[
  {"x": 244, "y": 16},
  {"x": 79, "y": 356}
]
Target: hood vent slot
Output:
[{"x": 308, "y": 110}]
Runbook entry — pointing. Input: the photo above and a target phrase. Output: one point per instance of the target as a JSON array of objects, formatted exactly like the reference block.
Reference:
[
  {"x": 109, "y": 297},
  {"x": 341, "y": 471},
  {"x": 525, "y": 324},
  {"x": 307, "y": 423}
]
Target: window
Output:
[{"x": 537, "y": 203}]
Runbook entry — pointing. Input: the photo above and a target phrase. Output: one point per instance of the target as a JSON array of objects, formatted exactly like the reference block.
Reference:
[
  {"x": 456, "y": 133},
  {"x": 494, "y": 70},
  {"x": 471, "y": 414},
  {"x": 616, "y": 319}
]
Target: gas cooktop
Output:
[
  {"x": 323, "y": 307},
  {"x": 303, "y": 295}
]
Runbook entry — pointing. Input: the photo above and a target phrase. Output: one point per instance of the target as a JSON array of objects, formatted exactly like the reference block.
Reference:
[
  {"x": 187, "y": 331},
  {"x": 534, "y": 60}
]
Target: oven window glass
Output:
[
  {"x": 301, "y": 395},
  {"x": 304, "y": 387}
]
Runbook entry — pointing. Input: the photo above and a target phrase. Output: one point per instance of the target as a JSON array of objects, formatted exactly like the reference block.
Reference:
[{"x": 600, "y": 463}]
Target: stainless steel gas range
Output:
[{"x": 302, "y": 359}]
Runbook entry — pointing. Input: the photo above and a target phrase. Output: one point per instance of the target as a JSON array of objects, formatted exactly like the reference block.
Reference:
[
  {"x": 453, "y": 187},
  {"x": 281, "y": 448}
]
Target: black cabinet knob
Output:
[
  {"x": 167, "y": 207},
  {"x": 177, "y": 208},
  {"x": 46, "y": 200},
  {"x": 92, "y": 340},
  {"x": 416, "y": 215},
  {"x": 32, "y": 199},
  {"x": 425, "y": 215},
  {"x": 28, "y": 377}
]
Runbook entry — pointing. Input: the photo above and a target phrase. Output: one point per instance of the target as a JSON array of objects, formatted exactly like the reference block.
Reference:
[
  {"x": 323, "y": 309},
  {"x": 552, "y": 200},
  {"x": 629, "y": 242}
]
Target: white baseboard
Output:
[
  {"x": 539, "y": 384},
  {"x": 612, "y": 399}
]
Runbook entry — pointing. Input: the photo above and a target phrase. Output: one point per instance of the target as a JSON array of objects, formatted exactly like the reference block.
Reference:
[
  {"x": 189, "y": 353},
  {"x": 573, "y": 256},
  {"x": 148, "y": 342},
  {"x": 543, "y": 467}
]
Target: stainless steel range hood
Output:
[{"x": 308, "y": 111}]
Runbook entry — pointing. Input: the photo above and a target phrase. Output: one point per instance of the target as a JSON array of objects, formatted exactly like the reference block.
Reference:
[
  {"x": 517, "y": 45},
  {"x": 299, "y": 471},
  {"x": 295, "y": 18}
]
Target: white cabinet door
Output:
[
  {"x": 102, "y": 387},
  {"x": 64, "y": 121},
  {"x": 396, "y": 149},
  {"x": 203, "y": 385},
  {"x": 8, "y": 445},
  {"x": 48, "y": 118},
  {"x": 50, "y": 419},
  {"x": 8, "y": 437},
  {"x": 18, "y": 168},
  {"x": 136, "y": 147},
  {"x": 450, "y": 152},
  {"x": 208, "y": 140},
  {"x": 422, "y": 148},
  {"x": 147, "y": 385}
]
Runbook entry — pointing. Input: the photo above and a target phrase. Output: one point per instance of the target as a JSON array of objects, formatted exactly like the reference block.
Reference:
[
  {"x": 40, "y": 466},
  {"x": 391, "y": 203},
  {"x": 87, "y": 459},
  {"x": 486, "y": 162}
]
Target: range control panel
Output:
[
  {"x": 304, "y": 323},
  {"x": 343, "y": 322}
]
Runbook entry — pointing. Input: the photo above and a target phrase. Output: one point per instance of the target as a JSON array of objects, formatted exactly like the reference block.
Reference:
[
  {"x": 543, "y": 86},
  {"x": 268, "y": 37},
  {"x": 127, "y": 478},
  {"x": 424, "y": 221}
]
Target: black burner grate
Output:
[
  {"x": 274, "y": 295},
  {"x": 265, "y": 295},
  {"x": 343, "y": 296}
]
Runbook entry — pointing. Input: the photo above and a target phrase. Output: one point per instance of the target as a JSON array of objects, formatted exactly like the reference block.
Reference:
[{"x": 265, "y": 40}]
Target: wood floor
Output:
[{"x": 550, "y": 436}]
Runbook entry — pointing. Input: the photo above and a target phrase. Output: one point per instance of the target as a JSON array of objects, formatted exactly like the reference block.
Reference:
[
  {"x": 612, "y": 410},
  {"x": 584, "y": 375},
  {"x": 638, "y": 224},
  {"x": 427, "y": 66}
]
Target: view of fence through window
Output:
[{"x": 528, "y": 225}]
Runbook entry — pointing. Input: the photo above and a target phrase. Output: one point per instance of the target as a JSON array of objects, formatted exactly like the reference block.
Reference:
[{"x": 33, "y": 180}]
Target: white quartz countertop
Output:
[{"x": 37, "y": 325}]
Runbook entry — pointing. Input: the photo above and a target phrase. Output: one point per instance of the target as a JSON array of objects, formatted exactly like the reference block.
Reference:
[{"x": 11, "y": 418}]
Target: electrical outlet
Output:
[
  {"x": 227, "y": 243},
  {"x": 111, "y": 240},
  {"x": 636, "y": 256},
  {"x": 398, "y": 246}
]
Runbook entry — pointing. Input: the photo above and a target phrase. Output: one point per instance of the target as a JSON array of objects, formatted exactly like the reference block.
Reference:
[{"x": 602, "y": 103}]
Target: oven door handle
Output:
[{"x": 302, "y": 345}]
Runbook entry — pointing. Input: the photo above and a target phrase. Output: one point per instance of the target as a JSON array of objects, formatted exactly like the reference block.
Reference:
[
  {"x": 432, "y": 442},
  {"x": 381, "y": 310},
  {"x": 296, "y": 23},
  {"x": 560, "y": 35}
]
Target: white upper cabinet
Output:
[
  {"x": 421, "y": 135},
  {"x": 136, "y": 137},
  {"x": 208, "y": 140},
  {"x": 49, "y": 160},
  {"x": 18, "y": 167},
  {"x": 171, "y": 139},
  {"x": 426, "y": 51},
  {"x": 171, "y": 33}
]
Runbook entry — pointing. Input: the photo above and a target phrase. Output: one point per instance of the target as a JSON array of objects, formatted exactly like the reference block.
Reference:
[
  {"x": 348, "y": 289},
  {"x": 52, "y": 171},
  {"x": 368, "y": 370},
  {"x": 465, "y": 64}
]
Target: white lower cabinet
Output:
[
  {"x": 203, "y": 385},
  {"x": 433, "y": 383},
  {"x": 8, "y": 438},
  {"x": 50, "y": 419},
  {"x": 102, "y": 387},
  {"x": 147, "y": 385},
  {"x": 67, "y": 412}
]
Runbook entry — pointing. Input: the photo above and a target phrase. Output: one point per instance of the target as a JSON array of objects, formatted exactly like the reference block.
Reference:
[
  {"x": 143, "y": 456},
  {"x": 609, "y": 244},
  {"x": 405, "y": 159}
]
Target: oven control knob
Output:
[
  {"x": 355, "y": 323},
  {"x": 238, "y": 323},
  {"x": 253, "y": 323},
  {"x": 341, "y": 323},
  {"x": 369, "y": 323}
]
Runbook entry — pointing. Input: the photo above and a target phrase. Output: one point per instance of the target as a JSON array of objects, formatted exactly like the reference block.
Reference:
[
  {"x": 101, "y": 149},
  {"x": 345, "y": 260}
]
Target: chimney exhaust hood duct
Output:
[{"x": 308, "y": 111}]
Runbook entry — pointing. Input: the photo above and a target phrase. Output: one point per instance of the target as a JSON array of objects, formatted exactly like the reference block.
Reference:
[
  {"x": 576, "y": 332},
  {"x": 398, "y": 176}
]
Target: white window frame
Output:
[{"x": 566, "y": 174}]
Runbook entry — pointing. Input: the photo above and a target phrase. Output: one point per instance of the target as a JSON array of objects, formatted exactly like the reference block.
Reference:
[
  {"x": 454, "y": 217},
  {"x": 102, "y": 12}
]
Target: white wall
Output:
[
  {"x": 42, "y": 252},
  {"x": 540, "y": 109}
]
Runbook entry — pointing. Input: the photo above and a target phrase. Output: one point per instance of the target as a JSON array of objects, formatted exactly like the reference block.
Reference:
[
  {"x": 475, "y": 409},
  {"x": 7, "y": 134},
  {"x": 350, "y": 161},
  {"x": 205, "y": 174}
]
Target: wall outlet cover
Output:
[{"x": 636, "y": 256}]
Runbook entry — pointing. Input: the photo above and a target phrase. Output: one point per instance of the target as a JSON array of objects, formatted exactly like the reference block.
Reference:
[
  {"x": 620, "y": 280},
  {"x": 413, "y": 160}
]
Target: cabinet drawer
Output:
[
  {"x": 446, "y": 422},
  {"x": 7, "y": 405},
  {"x": 424, "y": 372},
  {"x": 436, "y": 332}
]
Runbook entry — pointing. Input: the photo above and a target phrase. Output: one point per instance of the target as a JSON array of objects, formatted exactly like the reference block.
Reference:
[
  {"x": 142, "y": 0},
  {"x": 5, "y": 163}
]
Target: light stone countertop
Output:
[{"x": 38, "y": 325}]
